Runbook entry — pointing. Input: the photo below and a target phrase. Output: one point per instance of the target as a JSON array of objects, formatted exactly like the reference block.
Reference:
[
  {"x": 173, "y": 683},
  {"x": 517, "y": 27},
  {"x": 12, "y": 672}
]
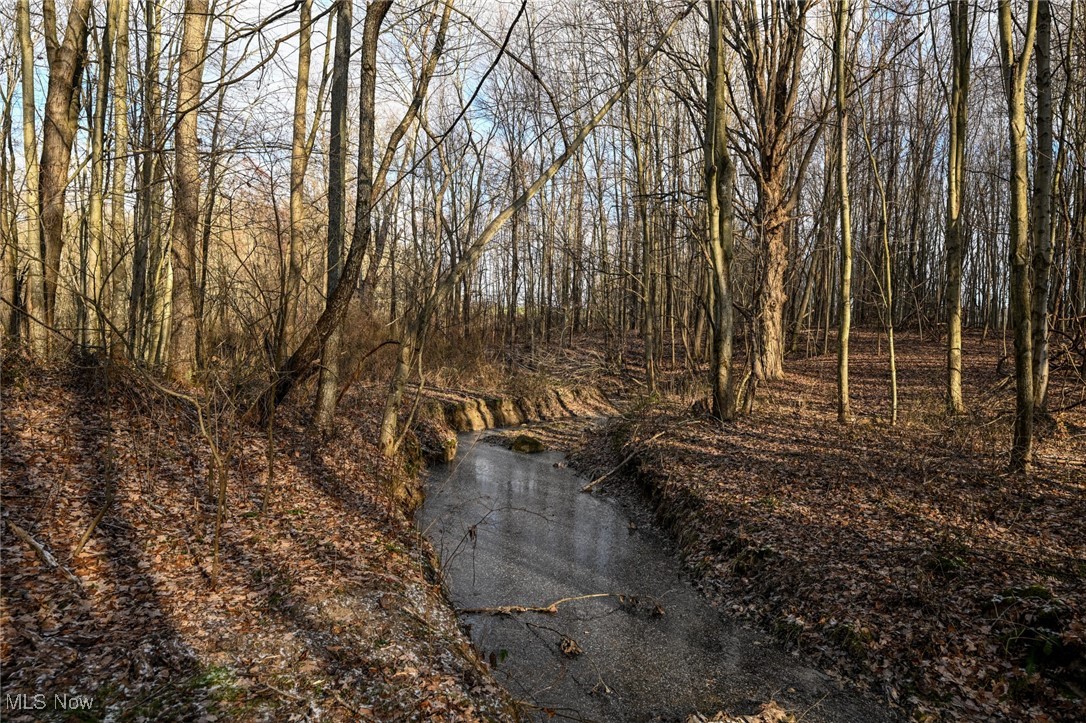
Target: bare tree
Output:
[
  {"x": 186, "y": 336},
  {"x": 1015, "y": 65},
  {"x": 58, "y": 134},
  {"x": 961, "y": 45},
  {"x": 841, "y": 23},
  {"x": 719, "y": 187}
]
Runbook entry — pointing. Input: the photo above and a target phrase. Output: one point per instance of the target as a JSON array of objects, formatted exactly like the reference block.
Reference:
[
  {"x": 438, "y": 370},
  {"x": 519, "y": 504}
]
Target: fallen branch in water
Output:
[{"x": 551, "y": 609}]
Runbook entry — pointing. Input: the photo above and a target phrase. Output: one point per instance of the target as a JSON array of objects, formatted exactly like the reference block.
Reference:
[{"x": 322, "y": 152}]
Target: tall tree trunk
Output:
[
  {"x": 1015, "y": 68},
  {"x": 961, "y": 52},
  {"x": 299, "y": 160},
  {"x": 719, "y": 182},
  {"x": 98, "y": 256},
  {"x": 186, "y": 336},
  {"x": 118, "y": 10},
  {"x": 58, "y": 134},
  {"x": 1041, "y": 210},
  {"x": 35, "y": 299},
  {"x": 9, "y": 218},
  {"x": 328, "y": 381},
  {"x": 841, "y": 22}
]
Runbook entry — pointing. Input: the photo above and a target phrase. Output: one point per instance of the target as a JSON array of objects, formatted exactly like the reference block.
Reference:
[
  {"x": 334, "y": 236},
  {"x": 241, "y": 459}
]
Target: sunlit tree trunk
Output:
[
  {"x": 961, "y": 44},
  {"x": 719, "y": 182},
  {"x": 328, "y": 380},
  {"x": 118, "y": 10},
  {"x": 1015, "y": 68},
  {"x": 58, "y": 134},
  {"x": 299, "y": 160},
  {"x": 97, "y": 266},
  {"x": 1041, "y": 210},
  {"x": 841, "y": 22},
  {"x": 185, "y": 336},
  {"x": 31, "y": 247}
]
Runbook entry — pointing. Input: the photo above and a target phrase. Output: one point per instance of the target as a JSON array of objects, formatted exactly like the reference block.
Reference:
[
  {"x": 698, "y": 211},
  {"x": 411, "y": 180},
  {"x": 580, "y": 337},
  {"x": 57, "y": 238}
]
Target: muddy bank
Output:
[{"x": 443, "y": 414}]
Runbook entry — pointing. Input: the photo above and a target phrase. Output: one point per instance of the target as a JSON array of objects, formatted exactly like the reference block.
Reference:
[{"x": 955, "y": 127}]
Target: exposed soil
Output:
[{"x": 905, "y": 555}]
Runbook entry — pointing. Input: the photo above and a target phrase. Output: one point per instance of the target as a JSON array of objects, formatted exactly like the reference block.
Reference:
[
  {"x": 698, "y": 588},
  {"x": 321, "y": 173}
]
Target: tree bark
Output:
[
  {"x": 719, "y": 182},
  {"x": 328, "y": 381},
  {"x": 58, "y": 134},
  {"x": 961, "y": 52},
  {"x": 185, "y": 352},
  {"x": 31, "y": 249},
  {"x": 841, "y": 22},
  {"x": 118, "y": 10},
  {"x": 1041, "y": 210},
  {"x": 1015, "y": 68}
]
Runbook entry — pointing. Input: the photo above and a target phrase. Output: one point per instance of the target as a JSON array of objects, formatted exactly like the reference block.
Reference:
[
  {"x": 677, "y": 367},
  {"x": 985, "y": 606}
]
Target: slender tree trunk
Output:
[
  {"x": 841, "y": 21},
  {"x": 98, "y": 256},
  {"x": 9, "y": 202},
  {"x": 186, "y": 337},
  {"x": 58, "y": 134},
  {"x": 1041, "y": 210},
  {"x": 719, "y": 182},
  {"x": 118, "y": 10},
  {"x": 299, "y": 160},
  {"x": 961, "y": 52},
  {"x": 31, "y": 249},
  {"x": 1015, "y": 69},
  {"x": 328, "y": 381}
]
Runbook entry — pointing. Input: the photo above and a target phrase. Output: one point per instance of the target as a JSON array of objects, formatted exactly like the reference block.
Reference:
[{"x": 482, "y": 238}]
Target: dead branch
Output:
[
  {"x": 551, "y": 609},
  {"x": 45, "y": 555},
  {"x": 588, "y": 487}
]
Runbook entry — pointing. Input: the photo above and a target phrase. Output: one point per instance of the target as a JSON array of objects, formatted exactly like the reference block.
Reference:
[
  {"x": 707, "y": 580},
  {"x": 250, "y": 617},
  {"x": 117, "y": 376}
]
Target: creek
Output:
[{"x": 514, "y": 530}]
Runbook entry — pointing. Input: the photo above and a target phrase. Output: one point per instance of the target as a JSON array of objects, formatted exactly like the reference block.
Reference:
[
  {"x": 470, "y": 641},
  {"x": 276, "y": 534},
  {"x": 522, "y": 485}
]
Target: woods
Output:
[
  {"x": 274, "y": 218},
  {"x": 622, "y": 237}
]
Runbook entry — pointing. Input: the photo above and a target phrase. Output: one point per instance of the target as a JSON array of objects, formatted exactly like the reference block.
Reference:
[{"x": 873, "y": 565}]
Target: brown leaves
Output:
[
  {"x": 880, "y": 549},
  {"x": 569, "y": 647},
  {"x": 292, "y": 623}
]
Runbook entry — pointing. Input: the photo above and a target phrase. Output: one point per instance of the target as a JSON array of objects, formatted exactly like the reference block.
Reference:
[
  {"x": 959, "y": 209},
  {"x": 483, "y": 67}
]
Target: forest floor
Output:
[
  {"x": 905, "y": 556},
  {"x": 323, "y": 606},
  {"x": 901, "y": 556}
]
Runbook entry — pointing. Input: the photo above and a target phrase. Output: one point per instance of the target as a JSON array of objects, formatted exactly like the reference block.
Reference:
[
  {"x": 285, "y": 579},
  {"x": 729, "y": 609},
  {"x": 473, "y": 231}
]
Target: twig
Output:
[
  {"x": 45, "y": 555},
  {"x": 551, "y": 609}
]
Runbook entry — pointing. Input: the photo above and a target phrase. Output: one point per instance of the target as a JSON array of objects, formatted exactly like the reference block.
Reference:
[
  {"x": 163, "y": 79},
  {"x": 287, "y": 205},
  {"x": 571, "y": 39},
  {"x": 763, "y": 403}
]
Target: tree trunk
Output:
[
  {"x": 328, "y": 380},
  {"x": 98, "y": 254},
  {"x": 719, "y": 181},
  {"x": 1041, "y": 210},
  {"x": 961, "y": 53},
  {"x": 31, "y": 249},
  {"x": 841, "y": 21},
  {"x": 118, "y": 10},
  {"x": 58, "y": 134},
  {"x": 185, "y": 352},
  {"x": 1015, "y": 68}
]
